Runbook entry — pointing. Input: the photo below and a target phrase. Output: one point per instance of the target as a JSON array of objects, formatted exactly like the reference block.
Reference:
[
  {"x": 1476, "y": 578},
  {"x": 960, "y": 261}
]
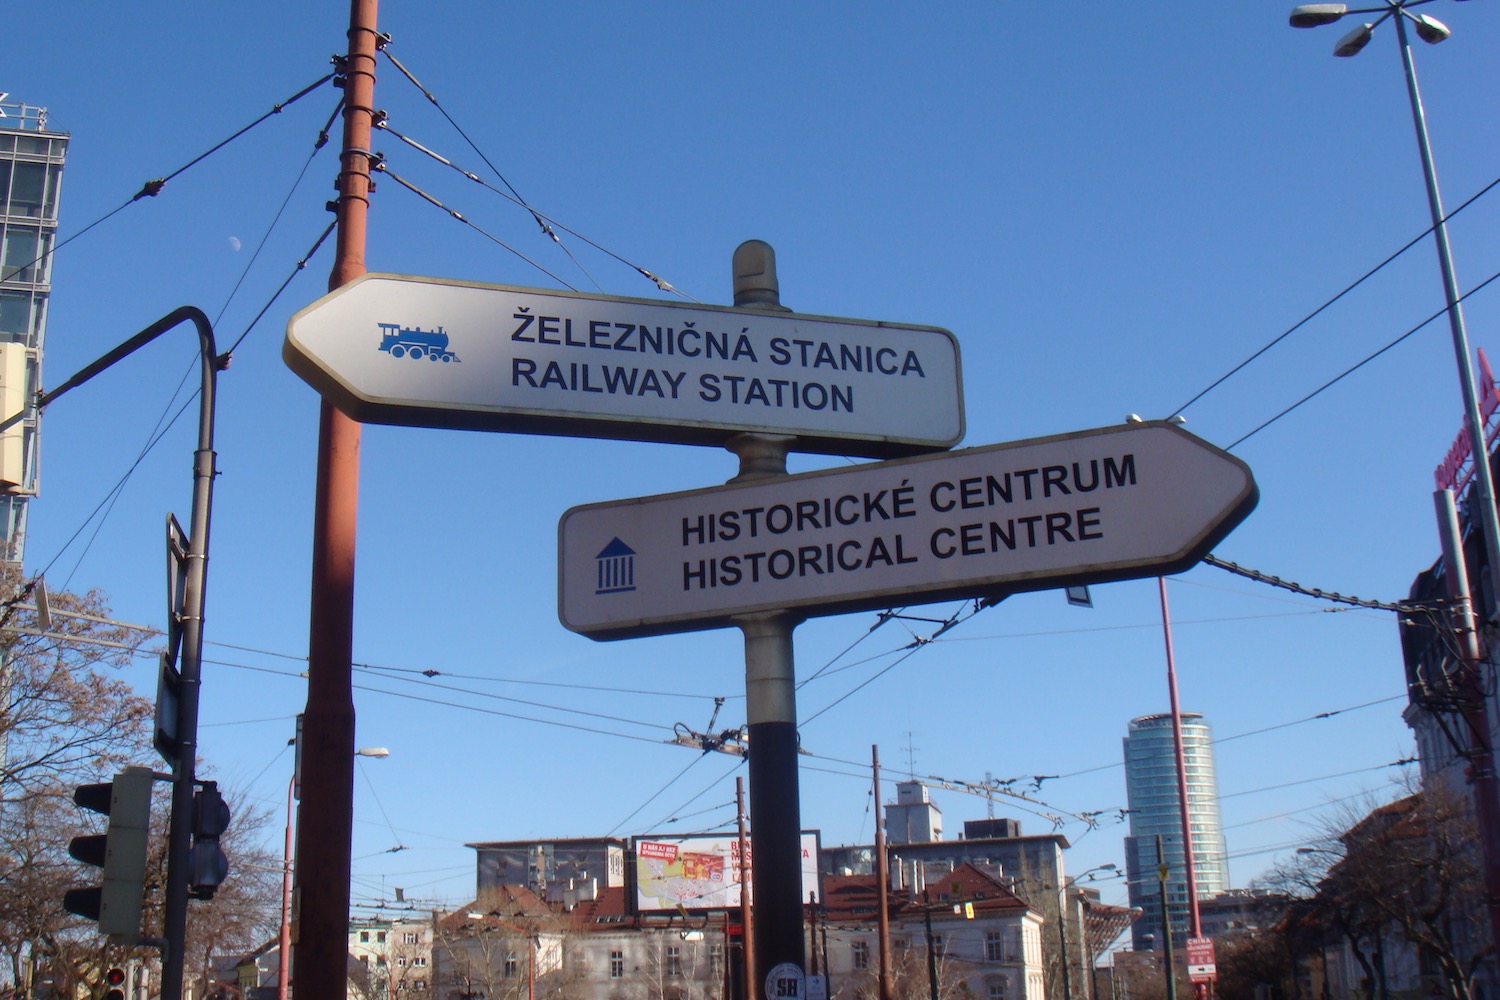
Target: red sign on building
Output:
[{"x": 1200, "y": 960}]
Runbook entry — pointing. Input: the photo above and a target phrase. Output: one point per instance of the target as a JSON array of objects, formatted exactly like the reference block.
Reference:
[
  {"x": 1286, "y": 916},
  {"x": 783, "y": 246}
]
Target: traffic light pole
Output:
[{"x": 185, "y": 742}]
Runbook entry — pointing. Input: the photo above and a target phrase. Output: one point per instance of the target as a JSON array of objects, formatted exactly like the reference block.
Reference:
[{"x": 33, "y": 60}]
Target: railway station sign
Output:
[
  {"x": 1135, "y": 500},
  {"x": 431, "y": 352}
]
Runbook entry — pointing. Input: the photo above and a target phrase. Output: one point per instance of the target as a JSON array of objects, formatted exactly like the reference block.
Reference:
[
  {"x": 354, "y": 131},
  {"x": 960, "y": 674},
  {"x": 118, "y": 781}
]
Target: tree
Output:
[
  {"x": 66, "y": 719},
  {"x": 1416, "y": 863},
  {"x": 1410, "y": 868},
  {"x": 507, "y": 945},
  {"x": 1250, "y": 962}
]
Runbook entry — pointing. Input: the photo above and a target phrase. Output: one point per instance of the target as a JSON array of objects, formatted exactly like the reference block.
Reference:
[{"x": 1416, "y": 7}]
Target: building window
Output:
[
  {"x": 994, "y": 946},
  {"x": 510, "y": 967},
  {"x": 419, "y": 984},
  {"x": 409, "y": 937},
  {"x": 419, "y": 961},
  {"x": 937, "y": 944},
  {"x": 617, "y": 965},
  {"x": 999, "y": 989},
  {"x": 364, "y": 937},
  {"x": 380, "y": 937},
  {"x": 674, "y": 960},
  {"x": 401, "y": 961},
  {"x": 861, "y": 954},
  {"x": 716, "y": 959}
]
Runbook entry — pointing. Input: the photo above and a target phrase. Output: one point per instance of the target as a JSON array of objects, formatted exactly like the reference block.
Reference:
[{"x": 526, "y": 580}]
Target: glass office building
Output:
[
  {"x": 1151, "y": 793},
  {"x": 31, "y": 166}
]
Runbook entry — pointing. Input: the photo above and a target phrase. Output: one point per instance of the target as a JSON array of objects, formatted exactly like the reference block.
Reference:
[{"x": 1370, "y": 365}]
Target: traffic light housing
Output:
[
  {"x": 114, "y": 979},
  {"x": 207, "y": 865},
  {"x": 120, "y": 852}
]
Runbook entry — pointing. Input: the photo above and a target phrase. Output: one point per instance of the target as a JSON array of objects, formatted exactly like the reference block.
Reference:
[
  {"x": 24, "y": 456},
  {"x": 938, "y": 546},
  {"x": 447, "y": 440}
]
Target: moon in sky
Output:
[{"x": 234, "y": 243}]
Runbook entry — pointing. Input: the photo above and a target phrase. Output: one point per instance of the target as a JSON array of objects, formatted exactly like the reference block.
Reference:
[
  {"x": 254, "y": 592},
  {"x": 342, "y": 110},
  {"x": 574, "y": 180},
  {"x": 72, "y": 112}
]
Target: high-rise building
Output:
[
  {"x": 1151, "y": 792},
  {"x": 31, "y": 165}
]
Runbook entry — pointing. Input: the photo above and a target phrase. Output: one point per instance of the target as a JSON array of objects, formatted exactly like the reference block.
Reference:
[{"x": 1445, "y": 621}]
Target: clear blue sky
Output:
[{"x": 1109, "y": 205}]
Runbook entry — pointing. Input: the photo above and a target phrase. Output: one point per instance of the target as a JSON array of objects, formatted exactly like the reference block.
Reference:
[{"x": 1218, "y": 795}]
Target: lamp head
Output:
[
  {"x": 1352, "y": 43},
  {"x": 1430, "y": 29},
  {"x": 1313, "y": 15},
  {"x": 372, "y": 752}
]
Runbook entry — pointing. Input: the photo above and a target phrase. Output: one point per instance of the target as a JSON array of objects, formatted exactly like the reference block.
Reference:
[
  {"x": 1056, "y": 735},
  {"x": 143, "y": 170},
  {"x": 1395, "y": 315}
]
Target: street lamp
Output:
[
  {"x": 1062, "y": 923},
  {"x": 284, "y": 942},
  {"x": 1432, "y": 31}
]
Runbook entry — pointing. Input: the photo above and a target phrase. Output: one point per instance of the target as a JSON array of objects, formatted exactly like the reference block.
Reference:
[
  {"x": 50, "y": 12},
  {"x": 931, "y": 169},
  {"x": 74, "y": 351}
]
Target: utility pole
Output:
[
  {"x": 1166, "y": 920},
  {"x": 932, "y": 979},
  {"x": 882, "y": 886},
  {"x": 325, "y": 836},
  {"x": 1195, "y": 925},
  {"x": 747, "y": 953}
]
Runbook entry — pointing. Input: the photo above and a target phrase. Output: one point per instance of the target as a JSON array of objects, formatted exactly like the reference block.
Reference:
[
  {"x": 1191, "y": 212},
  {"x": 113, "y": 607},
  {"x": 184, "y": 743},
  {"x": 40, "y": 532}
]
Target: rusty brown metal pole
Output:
[
  {"x": 324, "y": 836},
  {"x": 747, "y": 938},
  {"x": 1190, "y": 870}
]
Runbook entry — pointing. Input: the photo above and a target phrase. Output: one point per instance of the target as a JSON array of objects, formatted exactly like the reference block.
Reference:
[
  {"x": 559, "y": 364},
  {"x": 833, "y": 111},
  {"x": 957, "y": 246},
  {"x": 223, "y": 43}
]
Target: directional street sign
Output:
[
  {"x": 1140, "y": 499},
  {"x": 428, "y": 352}
]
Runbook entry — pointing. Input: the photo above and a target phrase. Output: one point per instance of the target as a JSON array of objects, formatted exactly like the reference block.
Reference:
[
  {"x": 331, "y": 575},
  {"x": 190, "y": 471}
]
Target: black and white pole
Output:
[{"x": 771, "y": 710}]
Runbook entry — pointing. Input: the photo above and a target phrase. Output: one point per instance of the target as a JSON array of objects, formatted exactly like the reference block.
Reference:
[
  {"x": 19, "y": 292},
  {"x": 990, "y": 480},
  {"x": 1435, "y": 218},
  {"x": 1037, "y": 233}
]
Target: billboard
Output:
[{"x": 702, "y": 871}]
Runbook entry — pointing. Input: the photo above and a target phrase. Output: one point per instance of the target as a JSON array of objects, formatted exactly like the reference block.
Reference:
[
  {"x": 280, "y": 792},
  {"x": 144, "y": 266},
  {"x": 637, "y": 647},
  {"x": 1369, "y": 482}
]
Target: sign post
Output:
[{"x": 1124, "y": 502}]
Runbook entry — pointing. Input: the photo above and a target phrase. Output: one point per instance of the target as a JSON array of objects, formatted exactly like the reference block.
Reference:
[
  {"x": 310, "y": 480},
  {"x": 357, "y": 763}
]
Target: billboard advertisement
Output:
[{"x": 702, "y": 871}]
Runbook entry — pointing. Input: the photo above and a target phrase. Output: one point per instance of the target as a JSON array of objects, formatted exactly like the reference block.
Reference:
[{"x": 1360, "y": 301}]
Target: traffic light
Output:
[
  {"x": 120, "y": 851},
  {"x": 115, "y": 980},
  {"x": 207, "y": 865}
]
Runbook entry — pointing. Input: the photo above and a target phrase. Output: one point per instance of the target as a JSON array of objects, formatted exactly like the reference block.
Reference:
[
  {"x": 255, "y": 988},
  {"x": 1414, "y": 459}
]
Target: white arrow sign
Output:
[
  {"x": 389, "y": 348},
  {"x": 1116, "y": 503}
]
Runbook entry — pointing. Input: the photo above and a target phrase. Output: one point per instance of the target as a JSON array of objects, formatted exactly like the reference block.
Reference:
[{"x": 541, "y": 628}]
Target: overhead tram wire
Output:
[
  {"x": 152, "y": 188},
  {"x": 508, "y": 715},
  {"x": 481, "y": 694},
  {"x": 535, "y": 704},
  {"x": 661, "y": 283},
  {"x": 429, "y": 672},
  {"x": 952, "y": 621},
  {"x": 1254, "y": 732},
  {"x": 544, "y": 222},
  {"x": 379, "y": 166},
  {"x": 110, "y": 498},
  {"x": 1347, "y": 289},
  {"x": 1354, "y": 368},
  {"x": 655, "y": 795},
  {"x": 880, "y": 619},
  {"x": 312, "y": 154}
]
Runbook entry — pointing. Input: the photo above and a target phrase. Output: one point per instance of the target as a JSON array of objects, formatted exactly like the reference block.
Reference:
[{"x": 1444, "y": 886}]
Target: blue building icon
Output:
[{"x": 616, "y": 568}]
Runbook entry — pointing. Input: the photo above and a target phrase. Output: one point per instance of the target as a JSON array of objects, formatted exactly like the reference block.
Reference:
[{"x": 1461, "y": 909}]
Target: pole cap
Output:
[{"x": 755, "y": 283}]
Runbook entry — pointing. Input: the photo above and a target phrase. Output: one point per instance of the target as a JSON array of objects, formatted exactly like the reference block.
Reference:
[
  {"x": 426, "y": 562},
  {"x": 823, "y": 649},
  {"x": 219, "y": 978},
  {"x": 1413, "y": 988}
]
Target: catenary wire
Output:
[
  {"x": 381, "y": 167},
  {"x": 153, "y": 188},
  {"x": 1356, "y": 367},
  {"x": 545, "y": 222},
  {"x": 661, "y": 283},
  {"x": 655, "y": 795},
  {"x": 322, "y": 141},
  {"x": 1347, "y": 289},
  {"x": 1226, "y": 739},
  {"x": 107, "y": 503}
]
